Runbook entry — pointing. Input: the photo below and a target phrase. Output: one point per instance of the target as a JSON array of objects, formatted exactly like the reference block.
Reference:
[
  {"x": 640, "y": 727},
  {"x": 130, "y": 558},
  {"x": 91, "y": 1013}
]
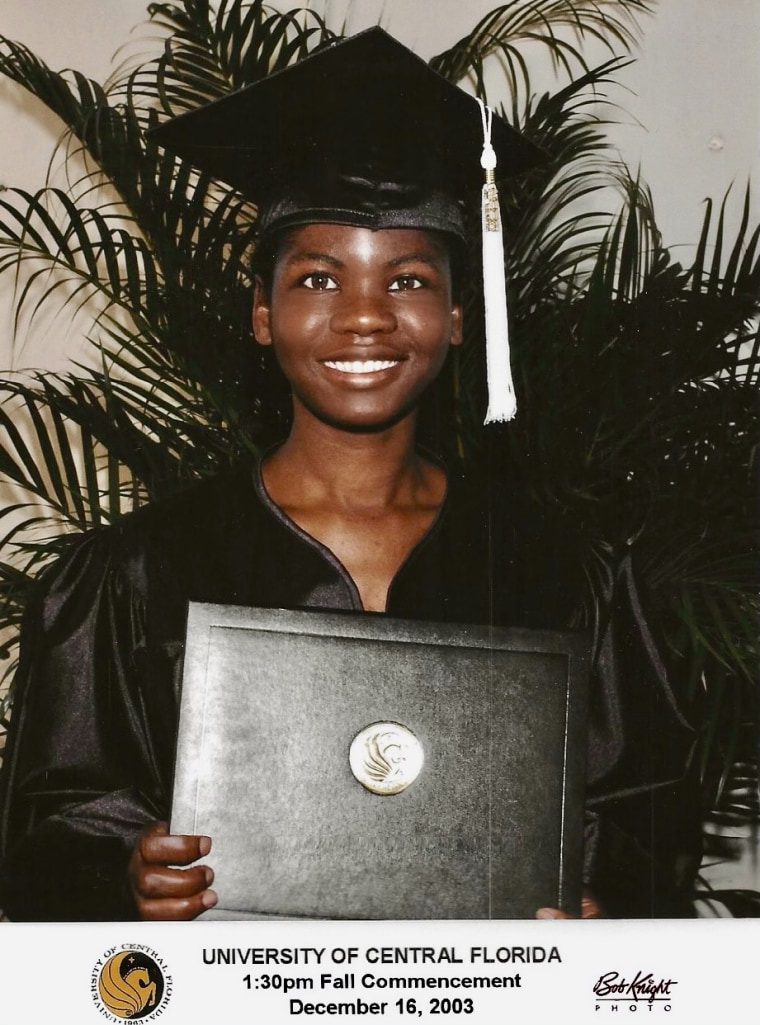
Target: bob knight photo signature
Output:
[{"x": 612, "y": 986}]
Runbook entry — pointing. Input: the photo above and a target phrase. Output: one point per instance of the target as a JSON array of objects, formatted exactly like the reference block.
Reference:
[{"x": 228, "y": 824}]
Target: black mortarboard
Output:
[{"x": 361, "y": 132}]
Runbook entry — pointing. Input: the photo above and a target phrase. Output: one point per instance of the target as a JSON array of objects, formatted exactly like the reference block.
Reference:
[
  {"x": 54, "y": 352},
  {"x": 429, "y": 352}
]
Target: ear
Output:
[
  {"x": 456, "y": 324},
  {"x": 261, "y": 314}
]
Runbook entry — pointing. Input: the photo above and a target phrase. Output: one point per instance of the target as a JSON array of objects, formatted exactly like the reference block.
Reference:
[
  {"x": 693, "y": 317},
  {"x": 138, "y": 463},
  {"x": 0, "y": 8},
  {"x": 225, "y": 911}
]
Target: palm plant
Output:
[{"x": 637, "y": 376}]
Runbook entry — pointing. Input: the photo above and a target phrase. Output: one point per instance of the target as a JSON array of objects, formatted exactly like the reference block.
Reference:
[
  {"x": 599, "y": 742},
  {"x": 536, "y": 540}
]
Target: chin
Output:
[
  {"x": 364, "y": 425},
  {"x": 362, "y": 421}
]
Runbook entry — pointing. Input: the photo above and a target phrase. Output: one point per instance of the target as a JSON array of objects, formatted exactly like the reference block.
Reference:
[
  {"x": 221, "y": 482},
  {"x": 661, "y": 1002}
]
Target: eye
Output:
[
  {"x": 405, "y": 283},
  {"x": 319, "y": 281}
]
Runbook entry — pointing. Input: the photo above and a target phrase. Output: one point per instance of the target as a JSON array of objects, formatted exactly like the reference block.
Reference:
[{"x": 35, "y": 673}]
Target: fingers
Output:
[
  {"x": 158, "y": 846},
  {"x": 178, "y": 909},
  {"x": 159, "y": 881},
  {"x": 590, "y": 908},
  {"x": 163, "y": 891},
  {"x": 546, "y": 913}
]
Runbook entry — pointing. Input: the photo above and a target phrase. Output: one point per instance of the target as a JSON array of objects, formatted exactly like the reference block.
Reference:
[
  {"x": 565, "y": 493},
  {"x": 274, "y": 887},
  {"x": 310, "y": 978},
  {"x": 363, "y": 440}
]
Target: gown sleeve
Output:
[
  {"x": 643, "y": 833},
  {"x": 82, "y": 772}
]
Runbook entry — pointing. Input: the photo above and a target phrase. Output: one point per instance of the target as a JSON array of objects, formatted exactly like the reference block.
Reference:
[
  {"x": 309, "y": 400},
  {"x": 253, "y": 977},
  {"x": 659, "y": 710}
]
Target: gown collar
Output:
[{"x": 328, "y": 555}]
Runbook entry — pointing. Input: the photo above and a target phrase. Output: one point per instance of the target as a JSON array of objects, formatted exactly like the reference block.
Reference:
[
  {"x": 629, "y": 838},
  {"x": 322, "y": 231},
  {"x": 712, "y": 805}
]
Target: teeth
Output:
[{"x": 361, "y": 366}]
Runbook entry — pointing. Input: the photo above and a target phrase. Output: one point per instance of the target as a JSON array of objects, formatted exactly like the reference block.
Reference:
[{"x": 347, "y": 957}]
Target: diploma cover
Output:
[{"x": 492, "y": 721}]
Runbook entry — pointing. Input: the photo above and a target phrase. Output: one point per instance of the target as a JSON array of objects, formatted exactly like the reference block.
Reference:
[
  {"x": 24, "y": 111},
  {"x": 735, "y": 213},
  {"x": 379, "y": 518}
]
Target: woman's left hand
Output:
[{"x": 590, "y": 908}]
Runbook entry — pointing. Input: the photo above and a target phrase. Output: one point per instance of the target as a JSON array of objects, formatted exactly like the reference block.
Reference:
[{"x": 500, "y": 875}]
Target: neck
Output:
[{"x": 368, "y": 469}]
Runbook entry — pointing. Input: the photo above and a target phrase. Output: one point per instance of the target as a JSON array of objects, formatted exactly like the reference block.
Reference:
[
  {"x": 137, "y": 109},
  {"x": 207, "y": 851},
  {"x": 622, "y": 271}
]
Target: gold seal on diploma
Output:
[{"x": 386, "y": 757}]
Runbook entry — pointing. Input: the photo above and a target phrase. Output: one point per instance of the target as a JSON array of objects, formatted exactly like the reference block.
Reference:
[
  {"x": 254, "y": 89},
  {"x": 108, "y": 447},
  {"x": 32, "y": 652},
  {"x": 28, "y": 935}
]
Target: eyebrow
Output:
[
  {"x": 296, "y": 256},
  {"x": 433, "y": 259}
]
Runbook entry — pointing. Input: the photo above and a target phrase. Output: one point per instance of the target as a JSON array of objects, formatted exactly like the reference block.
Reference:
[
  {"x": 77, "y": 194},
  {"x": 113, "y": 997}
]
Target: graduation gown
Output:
[{"x": 89, "y": 759}]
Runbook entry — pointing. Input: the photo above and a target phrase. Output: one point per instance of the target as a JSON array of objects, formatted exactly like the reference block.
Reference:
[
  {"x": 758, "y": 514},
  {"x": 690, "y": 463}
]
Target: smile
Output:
[{"x": 361, "y": 366}]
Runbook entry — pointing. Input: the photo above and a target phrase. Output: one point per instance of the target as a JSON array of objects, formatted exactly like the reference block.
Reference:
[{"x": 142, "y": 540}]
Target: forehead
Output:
[{"x": 341, "y": 242}]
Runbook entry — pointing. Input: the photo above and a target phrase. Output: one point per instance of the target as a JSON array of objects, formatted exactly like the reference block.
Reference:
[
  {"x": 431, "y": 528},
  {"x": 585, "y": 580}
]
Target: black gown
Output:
[{"x": 89, "y": 758}]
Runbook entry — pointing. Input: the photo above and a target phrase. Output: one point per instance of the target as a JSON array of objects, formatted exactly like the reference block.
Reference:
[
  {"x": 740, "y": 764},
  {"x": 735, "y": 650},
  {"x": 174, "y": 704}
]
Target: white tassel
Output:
[{"x": 502, "y": 404}]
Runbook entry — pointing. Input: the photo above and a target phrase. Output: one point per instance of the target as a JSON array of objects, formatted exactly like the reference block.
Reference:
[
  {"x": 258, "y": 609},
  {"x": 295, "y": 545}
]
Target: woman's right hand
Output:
[{"x": 161, "y": 891}]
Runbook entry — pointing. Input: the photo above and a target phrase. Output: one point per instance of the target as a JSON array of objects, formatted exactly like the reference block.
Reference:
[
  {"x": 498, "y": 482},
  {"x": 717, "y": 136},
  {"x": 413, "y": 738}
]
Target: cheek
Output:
[
  {"x": 433, "y": 324},
  {"x": 294, "y": 325}
]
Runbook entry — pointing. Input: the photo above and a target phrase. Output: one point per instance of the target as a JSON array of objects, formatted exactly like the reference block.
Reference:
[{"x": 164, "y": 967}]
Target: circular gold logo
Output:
[
  {"x": 386, "y": 757},
  {"x": 131, "y": 984}
]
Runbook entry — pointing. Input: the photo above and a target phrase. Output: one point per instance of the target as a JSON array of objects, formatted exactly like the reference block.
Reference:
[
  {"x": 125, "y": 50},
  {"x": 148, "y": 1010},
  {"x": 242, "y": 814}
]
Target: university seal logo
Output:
[
  {"x": 386, "y": 757},
  {"x": 130, "y": 983}
]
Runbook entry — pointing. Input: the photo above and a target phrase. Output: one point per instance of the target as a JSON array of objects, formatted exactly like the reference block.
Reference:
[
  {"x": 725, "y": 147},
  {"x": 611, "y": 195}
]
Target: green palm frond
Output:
[
  {"x": 61, "y": 463},
  {"x": 212, "y": 51},
  {"x": 559, "y": 26},
  {"x": 69, "y": 94},
  {"x": 82, "y": 252}
]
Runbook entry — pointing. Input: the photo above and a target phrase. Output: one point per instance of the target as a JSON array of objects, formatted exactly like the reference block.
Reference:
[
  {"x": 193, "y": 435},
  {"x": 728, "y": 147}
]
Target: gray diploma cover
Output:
[{"x": 490, "y": 827}]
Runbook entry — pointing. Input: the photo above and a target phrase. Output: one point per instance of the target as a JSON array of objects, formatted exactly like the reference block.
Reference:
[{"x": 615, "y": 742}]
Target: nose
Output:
[{"x": 363, "y": 313}]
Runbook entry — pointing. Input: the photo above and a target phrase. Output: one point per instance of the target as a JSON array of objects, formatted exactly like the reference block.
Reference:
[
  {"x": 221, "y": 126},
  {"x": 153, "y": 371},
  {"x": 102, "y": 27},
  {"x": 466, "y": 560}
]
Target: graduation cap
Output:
[{"x": 363, "y": 132}]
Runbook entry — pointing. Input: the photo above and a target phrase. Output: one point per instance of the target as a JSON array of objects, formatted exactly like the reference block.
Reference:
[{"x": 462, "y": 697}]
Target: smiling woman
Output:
[
  {"x": 362, "y": 201},
  {"x": 361, "y": 322}
]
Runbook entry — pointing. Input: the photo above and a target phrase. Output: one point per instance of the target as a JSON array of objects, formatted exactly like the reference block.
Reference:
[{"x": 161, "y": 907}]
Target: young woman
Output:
[{"x": 357, "y": 291}]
